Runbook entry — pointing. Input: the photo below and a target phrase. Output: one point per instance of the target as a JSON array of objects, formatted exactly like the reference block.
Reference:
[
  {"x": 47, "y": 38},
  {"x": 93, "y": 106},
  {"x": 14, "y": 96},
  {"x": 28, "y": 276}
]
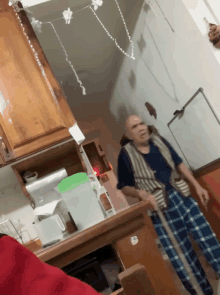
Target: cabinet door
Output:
[
  {"x": 140, "y": 247},
  {"x": 31, "y": 118}
]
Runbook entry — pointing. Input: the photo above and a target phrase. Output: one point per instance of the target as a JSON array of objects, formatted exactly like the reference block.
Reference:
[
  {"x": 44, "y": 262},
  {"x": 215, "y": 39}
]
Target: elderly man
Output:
[{"x": 150, "y": 169}]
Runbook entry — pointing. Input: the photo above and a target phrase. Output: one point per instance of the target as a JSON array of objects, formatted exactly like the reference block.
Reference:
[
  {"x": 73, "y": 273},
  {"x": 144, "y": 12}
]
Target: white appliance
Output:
[
  {"x": 83, "y": 205},
  {"x": 50, "y": 230}
]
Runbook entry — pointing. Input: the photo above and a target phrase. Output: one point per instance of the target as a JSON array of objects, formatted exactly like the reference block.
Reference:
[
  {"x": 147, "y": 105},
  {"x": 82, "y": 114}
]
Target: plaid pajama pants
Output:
[{"x": 184, "y": 216}]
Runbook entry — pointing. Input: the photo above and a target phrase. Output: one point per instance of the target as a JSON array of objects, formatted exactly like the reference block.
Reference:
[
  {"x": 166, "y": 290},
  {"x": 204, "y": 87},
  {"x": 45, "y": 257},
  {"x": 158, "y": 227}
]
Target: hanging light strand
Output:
[
  {"x": 126, "y": 29},
  {"x": 74, "y": 12},
  {"x": 113, "y": 39},
  {"x": 67, "y": 59},
  {"x": 36, "y": 57},
  {"x": 37, "y": 25}
]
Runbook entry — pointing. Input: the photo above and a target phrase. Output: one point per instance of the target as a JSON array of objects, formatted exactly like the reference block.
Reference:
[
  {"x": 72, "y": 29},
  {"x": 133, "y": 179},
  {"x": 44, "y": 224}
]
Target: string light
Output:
[
  {"x": 148, "y": 3},
  {"x": 37, "y": 58},
  {"x": 113, "y": 39},
  {"x": 38, "y": 27},
  {"x": 110, "y": 36},
  {"x": 126, "y": 29},
  {"x": 97, "y": 3},
  {"x": 67, "y": 15},
  {"x": 72, "y": 67}
]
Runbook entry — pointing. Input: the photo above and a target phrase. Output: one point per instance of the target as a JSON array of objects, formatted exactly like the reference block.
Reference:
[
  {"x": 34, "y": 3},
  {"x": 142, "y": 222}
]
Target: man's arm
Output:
[
  {"x": 141, "y": 195},
  {"x": 181, "y": 166},
  {"x": 188, "y": 175},
  {"x": 201, "y": 192},
  {"x": 132, "y": 192}
]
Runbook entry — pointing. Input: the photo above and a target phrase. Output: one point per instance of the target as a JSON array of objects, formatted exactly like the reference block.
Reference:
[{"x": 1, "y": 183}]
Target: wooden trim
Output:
[
  {"x": 6, "y": 142},
  {"x": 21, "y": 182},
  {"x": 118, "y": 292},
  {"x": 52, "y": 160},
  {"x": 80, "y": 157},
  {"x": 39, "y": 152},
  {"x": 216, "y": 212},
  {"x": 43, "y": 142},
  {"x": 97, "y": 144},
  {"x": 50, "y": 157},
  {"x": 207, "y": 169}
]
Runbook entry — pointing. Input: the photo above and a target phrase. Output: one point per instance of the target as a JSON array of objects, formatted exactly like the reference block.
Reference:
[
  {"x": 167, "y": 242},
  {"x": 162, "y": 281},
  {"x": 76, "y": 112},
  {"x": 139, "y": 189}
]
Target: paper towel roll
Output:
[{"x": 44, "y": 184}]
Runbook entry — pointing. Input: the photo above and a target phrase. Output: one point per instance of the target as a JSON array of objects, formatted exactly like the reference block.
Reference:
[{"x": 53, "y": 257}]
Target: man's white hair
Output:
[
  {"x": 126, "y": 129},
  {"x": 132, "y": 115},
  {"x": 126, "y": 121}
]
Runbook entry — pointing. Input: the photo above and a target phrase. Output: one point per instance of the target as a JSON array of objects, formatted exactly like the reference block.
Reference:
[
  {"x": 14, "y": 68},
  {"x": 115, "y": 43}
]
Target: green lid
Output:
[{"x": 72, "y": 182}]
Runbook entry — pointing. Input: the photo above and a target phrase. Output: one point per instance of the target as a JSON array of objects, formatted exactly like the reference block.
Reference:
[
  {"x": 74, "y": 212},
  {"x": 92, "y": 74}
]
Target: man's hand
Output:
[
  {"x": 203, "y": 195},
  {"x": 145, "y": 196}
]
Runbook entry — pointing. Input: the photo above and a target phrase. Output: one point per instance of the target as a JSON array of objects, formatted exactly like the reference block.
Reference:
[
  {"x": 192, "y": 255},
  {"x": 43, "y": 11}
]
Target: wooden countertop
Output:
[{"x": 80, "y": 244}]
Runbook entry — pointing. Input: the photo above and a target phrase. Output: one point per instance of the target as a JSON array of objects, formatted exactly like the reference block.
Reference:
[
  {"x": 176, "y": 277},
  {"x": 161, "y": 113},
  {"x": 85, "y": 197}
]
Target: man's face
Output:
[
  {"x": 214, "y": 35},
  {"x": 137, "y": 130}
]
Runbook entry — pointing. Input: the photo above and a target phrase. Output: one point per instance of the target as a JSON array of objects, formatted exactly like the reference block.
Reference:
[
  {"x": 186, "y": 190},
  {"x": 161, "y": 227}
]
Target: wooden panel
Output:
[
  {"x": 64, "y": 156},
  {"x": 147, "y": 253},
  {"x": 37, "y": 119},
  {"x": 21, "y": 182},
  {"x": 33, "y": 245},
  {"x": 207, "y": 169},
  {"x": 118, "y": 292},
  {"x": 135, "y": 280}
]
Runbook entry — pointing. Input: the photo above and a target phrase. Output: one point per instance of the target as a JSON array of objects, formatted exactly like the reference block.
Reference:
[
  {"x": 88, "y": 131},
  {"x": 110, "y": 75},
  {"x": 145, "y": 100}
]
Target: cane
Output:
[{"x": 179, "y": 251}]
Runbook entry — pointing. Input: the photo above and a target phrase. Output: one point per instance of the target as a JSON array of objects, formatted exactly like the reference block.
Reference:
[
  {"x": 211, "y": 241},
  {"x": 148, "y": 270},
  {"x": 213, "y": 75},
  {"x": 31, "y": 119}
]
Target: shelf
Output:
[{"x": 65, "y": 156}]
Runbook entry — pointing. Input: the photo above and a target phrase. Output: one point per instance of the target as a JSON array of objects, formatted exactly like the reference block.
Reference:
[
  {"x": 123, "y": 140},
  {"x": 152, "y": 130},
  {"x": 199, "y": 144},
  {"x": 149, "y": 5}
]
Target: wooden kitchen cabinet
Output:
[
  {"x": 140, "y": 247},
  {"x": 65, "y": 155},
  {"x": 32, "y": 119}
]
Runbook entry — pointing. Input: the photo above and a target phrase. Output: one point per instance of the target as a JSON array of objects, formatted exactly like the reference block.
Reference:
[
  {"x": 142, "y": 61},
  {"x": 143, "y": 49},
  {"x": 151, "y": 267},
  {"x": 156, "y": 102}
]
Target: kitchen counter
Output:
[
  {"x": 131, "y": 234},
  {"x": 103, "y": 233}
]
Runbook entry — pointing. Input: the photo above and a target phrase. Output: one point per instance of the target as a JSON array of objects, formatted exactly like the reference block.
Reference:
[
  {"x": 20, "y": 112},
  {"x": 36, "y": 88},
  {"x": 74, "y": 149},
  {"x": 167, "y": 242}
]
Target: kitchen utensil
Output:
[
  {"x": 49, "y": 230},
  {"x": 30, "y": 176},
  {"x": 42, "y": 190}
]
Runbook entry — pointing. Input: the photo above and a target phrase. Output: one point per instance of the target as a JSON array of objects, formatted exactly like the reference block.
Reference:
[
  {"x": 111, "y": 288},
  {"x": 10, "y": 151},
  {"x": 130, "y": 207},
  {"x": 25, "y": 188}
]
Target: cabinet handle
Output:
[{"x": 3, "y": 145}]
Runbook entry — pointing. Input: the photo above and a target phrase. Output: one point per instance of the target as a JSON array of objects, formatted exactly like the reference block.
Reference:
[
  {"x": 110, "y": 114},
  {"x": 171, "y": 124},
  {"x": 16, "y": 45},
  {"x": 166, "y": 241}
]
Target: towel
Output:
[{"x": 23, "y": 273}]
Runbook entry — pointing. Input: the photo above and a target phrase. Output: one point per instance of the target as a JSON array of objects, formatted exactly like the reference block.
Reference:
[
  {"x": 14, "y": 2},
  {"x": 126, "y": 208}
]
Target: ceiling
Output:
[{"x": 93, "y": 54}]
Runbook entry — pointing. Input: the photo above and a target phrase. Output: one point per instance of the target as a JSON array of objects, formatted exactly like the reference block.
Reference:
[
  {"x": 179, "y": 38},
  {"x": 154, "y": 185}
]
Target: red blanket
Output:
[{"x": 22, "y": 273}]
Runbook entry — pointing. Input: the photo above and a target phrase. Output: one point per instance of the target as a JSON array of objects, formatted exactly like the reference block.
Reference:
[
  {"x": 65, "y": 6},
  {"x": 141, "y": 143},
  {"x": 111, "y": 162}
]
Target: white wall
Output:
[{"x": 188, "y": 58}]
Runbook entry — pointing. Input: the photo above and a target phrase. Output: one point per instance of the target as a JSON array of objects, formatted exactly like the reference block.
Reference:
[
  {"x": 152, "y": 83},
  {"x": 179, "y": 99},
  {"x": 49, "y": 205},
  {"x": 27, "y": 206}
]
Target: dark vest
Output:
[{"x": 145, "y": 177}]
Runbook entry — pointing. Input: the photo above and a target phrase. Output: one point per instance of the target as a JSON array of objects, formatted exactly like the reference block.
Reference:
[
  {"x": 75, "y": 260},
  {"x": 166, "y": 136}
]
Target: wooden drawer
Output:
[{"x": 140, "y": 247}]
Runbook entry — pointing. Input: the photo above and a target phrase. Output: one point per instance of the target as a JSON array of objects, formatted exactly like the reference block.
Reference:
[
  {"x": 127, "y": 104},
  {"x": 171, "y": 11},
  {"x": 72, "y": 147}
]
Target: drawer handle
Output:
[
  {"x": 4, "y": 147},
  {"x": 134, "y": 240}
]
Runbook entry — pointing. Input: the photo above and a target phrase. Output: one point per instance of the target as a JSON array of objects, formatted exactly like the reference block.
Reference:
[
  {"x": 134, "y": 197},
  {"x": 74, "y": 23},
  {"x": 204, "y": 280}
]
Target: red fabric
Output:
[{"x": 23, "y": 273}]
